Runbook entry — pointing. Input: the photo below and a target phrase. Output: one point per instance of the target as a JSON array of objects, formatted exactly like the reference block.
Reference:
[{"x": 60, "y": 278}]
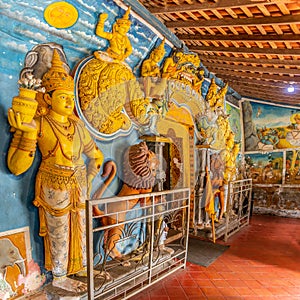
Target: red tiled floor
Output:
[{"x": 262, "y": 263}]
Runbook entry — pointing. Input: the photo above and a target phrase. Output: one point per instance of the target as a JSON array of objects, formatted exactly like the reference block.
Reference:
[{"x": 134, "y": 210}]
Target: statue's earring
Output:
[{"x": 48, "y": 100}]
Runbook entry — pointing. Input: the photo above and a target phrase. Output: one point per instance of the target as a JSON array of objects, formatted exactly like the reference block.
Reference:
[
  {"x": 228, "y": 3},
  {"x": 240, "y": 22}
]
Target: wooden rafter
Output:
[
  {"x": 254, "y": 45},
  {"x": 288, "y": 19},
  {"x": 279, "y": 62},
  {"x": 273, "y": 77},
  {"x": 251, "y": 50},
  {"x": 268, "y": 70},
  {"x": 241, "y": 37},
  {"x": 221, "y": 4}
]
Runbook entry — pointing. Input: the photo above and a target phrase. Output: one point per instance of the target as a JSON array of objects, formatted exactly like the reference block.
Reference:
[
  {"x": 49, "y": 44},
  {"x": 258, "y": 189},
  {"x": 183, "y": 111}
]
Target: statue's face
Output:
[
  {"x": 122, "y": 28},
  {"x": 156, "y": 56},
  {"x": 63, "y": 102},
  {"x": 153, "y": 163}
]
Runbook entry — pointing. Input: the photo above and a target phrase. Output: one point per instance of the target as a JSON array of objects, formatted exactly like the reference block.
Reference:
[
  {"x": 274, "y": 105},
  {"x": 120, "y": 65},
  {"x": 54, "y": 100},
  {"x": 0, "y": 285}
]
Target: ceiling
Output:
[{"x": 254, "y": 45}]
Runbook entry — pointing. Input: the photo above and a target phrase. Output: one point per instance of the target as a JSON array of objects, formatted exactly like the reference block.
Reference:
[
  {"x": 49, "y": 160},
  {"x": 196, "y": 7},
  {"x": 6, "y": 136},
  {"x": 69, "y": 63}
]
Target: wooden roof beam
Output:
[
  {"x": 279, "y": 62},
  {"x": 286, "y": 19},
  {"x": 221, "y": 4},
  {"x": 268, "y": 96},
  {"x": 252, "y": 50},
  {"x": 241, "y": 37},
  {"x": 259, "y": 84},
  {"x": 268, "y": 70},
  {"x": 223, "y": 73}
]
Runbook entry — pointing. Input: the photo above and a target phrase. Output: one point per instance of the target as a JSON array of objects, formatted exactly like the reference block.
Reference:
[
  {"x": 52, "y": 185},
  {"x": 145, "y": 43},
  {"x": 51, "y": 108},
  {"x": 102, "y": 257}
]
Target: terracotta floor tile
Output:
[
  {"x": 157, "y": 297},
  {"x": 189, "y": 283},
  {"x": 175, "y": 291},
  {"x": 244, "y": 291},
  {"x": 228, "y": 275},
  {"x": 262, "y": 263},
  {"x": 208, "y": 291},
  {"x": 278, "y": 291},
  {"x": 205, "y": 283},
  {"x": 199, "y": 275},
  {"x": 220, "y": 283},
  {"x": 193, "y": 291},
  {"x": 293, "y": 291},
  {"x": 262, "y": 292},
  {"x": 254, "y": 284},
  {"x": 197, "y": 297},
  {"x": 236, "y": 283},
  {"x": 228, "y": 292},
  {"x": 177, "y": 297},
  {"x": 214, "y": 275}
]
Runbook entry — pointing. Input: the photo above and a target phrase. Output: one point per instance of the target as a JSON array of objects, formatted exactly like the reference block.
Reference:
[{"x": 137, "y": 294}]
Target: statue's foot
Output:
[
  {"x": 103, "y": 274},
  {"x": 69, "y": 284},
  {"x": 96, "y": 273},
  {"x": 116, "y": 255},
  {"x": 83, "y": 273},
  {"x": 168, "y": 250}
]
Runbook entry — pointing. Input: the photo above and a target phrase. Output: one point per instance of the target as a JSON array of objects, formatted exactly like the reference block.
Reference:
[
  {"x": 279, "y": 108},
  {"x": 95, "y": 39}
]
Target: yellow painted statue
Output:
[
  {"x": 230, "y": 154},
  {"x": 119, "y": 44},
  {"x": 107, "y": 85},
  {"x": 63, "y": 182},
  {"x": 154, "y": 87}
]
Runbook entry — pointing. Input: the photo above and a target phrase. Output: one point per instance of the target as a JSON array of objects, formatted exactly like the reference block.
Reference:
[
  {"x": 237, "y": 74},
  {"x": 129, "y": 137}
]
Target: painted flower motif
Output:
[
  {"x": 33, "y": 280},
  {"x": 31, "y": 83}
]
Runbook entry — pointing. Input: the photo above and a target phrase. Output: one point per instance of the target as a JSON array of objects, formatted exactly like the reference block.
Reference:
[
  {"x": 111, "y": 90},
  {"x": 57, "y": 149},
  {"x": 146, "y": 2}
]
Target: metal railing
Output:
[
  {"x": 238, "y": 206},
  {"x": 149, "y": 230}
]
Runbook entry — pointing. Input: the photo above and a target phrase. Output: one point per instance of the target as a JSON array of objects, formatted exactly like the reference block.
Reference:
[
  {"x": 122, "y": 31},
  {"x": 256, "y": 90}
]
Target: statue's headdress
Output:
[
  {"x": 161, "y": 48},
  {"x": 125, "y": 19},
  {"x": 57, "y": 78}
]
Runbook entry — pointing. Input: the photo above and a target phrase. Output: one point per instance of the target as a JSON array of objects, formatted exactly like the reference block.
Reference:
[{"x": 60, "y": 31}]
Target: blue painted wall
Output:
[{"x": 23, "y": 27}]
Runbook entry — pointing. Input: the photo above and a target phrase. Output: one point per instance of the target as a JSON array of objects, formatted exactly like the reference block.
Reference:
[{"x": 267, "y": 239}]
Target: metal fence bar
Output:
[{"x": 177, "y": 203}]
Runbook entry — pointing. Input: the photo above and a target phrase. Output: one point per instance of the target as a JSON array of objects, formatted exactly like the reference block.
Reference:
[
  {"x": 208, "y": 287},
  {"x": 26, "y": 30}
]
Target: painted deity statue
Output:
[
  {"x": 154, "y": 87},
  {"x": 63, "y": 181},
  {"x": 150, "y": 67},
  {"x": 107, "y": 85},
  {"x": 119, "y": 44},
  {"x": 211, "y": 95},
  {"x": 171, "y": 65},
  {"x": 230, "y": 155}
]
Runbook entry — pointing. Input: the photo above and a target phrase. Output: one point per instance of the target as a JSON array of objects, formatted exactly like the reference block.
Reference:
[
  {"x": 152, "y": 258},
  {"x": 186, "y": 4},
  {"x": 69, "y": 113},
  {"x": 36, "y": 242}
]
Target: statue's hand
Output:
[
  {"x": 89, "y": 185},
  {"x": 102, "y": 17},
  {"x": 15, "y": 121}
]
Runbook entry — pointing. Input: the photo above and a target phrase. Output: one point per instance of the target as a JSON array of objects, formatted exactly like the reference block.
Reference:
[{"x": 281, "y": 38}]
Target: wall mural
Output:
[
  {"x": 19, "y": 274},
  {"x": 269, "y": 127},
  {"x": 264, "y": 168}
]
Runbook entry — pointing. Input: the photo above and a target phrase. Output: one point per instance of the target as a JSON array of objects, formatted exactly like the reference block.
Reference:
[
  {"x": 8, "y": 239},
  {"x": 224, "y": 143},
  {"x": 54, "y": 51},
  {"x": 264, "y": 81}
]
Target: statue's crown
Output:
[
  {"x": 125, "y": 19},
  {"x": 57, "y": 78},
  {"x": 161, "y": 47}
]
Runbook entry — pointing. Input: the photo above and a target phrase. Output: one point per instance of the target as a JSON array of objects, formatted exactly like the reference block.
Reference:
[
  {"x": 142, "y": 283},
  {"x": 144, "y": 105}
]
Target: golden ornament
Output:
[{"x": 61, "y": 14}]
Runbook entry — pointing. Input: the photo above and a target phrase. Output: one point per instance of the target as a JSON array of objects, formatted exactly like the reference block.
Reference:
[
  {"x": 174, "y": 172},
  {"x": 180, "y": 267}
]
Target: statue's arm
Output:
[
  {"x": 100, "y": 28},
  {"x": 96, "y": 159},
  {"x": 128, "y": 49},
  {"x": 23, "y": 145}
]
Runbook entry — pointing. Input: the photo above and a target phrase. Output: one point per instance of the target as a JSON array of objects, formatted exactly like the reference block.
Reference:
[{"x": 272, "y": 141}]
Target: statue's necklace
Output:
[{"x": 65, "y": 129}]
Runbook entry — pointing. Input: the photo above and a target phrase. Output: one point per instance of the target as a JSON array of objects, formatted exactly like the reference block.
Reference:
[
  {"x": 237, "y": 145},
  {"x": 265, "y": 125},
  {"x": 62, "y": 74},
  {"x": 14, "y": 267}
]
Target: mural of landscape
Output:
[
  {"x": 269, "y": 127},
  {"x": 264, "y": 168}
]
